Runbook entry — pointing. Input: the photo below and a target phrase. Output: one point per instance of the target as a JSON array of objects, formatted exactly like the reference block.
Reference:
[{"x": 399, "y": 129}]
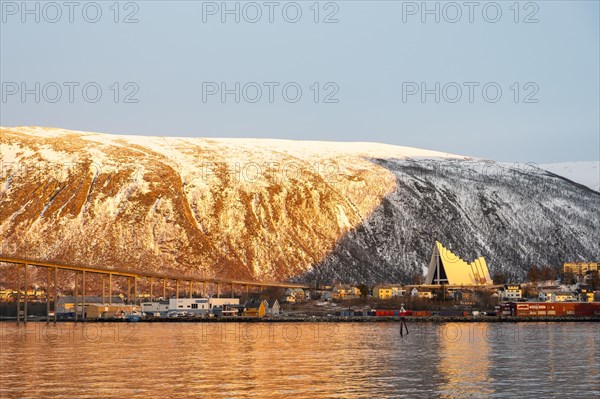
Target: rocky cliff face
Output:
[{"x": 275, "y": 210}]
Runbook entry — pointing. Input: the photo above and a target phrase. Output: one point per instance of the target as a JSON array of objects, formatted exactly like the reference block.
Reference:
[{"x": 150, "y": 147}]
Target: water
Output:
[{"x": 316, "y": 360}]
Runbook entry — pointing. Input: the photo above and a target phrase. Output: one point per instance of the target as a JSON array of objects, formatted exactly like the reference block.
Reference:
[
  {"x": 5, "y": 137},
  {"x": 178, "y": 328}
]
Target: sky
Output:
[{"x": 510, "y": 81}]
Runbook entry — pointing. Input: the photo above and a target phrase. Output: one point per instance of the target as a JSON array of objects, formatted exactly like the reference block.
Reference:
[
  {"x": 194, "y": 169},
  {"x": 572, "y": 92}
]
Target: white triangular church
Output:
[{"x": 447, "y": 268}]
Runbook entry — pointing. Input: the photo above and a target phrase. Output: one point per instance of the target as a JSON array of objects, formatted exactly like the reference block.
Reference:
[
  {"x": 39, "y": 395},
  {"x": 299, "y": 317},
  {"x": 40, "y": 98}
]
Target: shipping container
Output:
[{"x": 554, "y": 309}]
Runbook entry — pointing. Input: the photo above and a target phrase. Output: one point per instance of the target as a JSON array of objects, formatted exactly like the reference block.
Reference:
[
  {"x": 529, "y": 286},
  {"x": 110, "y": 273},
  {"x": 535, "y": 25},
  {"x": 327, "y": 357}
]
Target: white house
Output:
[
  {"x": 199, "y": 305},
  {"x": 421, "y": 293},
  {"x": 273, "y": 308},
  {"x": 156, "y": 309},
  {"x": 554, "y": 295},
  {"x": 510, "y": 293},
  {"x": 398, "y": 290},
  {"x": 189, "y": 305}
]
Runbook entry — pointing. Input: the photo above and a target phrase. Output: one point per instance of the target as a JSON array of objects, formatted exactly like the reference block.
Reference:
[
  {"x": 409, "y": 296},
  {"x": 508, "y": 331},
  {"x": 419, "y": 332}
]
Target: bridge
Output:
[{"x": 134, "y": 275}]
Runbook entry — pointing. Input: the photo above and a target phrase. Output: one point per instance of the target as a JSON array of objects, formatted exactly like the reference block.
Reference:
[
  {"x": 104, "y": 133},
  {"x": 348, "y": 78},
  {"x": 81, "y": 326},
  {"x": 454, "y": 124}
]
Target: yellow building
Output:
[
  {"x": 447, "y": 268},
  {"x": 255, "y": 308},
  {"x": 587, "y": 295},
  {"x": 345, "y": 291},
  {"x": 382, "y": 292},
  {"x": 105, "y": 311},
  {"x": 580, "y": 268}
]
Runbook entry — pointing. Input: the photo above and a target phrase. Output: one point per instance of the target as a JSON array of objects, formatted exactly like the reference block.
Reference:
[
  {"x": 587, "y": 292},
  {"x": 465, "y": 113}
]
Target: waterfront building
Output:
[
  {"x": 273, "y": 308},
  {"x": 105, "y": 311},
  {"x": 556, "y": 295},
  {"x": 255, "y": 307},
  {"x": 200, "y": 306},
  {"x": 465, "y": 296},
  {"x": 294, "y": 295},
  {"x": 447, "y": 268},
  {"x": 344, "y": 291},
  {"x": 398, "y": 291},
  {"x": 510, "y": 292},
  {"x": 65, "y": 306},
  {"x": 155, "y": 309},
  {"x": 585, "y": 294},
  {"x": 423, "y": 293},
  {"x": 382, "y": 292},
  {"x": 189, "y": 305}
]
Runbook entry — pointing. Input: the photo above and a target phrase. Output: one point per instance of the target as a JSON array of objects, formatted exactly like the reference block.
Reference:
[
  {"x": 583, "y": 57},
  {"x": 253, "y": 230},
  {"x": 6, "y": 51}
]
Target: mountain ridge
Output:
[{"x": 274, "y": 210}]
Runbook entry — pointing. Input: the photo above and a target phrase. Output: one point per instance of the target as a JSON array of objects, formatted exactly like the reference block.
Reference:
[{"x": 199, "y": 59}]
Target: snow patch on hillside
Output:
[
  {"x": 584, "y": 172},
  {"x": 296, "y": 148}
]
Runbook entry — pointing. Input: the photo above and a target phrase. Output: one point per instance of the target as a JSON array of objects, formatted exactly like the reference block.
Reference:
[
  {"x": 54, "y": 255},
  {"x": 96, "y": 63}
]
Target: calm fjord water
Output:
[{"x": 316, "y": 360}]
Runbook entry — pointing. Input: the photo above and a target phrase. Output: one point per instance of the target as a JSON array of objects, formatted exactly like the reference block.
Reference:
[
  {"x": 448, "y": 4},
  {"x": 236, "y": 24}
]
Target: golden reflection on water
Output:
[
  {"x": 464, "y": 360},
  {"x": 301, "y": 360}
]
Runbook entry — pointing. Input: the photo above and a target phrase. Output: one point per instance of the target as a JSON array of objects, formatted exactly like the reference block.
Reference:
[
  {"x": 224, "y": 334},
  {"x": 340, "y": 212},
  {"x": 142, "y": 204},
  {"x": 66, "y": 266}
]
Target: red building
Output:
[{"x": 551, "y": 309}]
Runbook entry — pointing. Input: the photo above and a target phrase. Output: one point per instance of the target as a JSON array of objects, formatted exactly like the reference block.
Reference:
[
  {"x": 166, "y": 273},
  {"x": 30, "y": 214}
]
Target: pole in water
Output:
[{"x": 403, "y": 326}]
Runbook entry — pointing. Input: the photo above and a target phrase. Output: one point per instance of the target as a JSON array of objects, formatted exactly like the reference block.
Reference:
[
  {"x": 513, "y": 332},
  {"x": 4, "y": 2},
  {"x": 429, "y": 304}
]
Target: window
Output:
[{"x": 194, "y": 306}]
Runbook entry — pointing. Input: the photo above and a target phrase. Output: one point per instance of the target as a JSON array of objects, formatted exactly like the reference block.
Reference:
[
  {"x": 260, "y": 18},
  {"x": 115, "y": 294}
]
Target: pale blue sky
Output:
[{"x": 369, "y": 53}]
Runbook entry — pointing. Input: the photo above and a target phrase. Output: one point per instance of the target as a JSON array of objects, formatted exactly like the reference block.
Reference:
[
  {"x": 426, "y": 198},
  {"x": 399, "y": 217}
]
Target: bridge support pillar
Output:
[
  {"x": 83, "y": 295},
  {"x": 26, "y": 296},
  {"x": 48, "y": 296},
  {"x": 76, "y": 296},
  {"x": 55, "y": 291},
  {"x": 18, "y": 294},
  {"x": 110, "y": 290},
  {"x": 103, "y": 289}
]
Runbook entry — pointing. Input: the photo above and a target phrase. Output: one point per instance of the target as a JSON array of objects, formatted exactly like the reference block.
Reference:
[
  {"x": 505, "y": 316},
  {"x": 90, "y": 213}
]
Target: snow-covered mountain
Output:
[
  {"x": 277, "y": 209},
  {"x": 586, "y": 172}
]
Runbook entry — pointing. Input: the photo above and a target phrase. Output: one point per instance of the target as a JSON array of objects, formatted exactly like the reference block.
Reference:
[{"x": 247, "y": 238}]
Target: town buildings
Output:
[
  {"x": 510, "y": 292},
  {"x": 581, "y": 268}
]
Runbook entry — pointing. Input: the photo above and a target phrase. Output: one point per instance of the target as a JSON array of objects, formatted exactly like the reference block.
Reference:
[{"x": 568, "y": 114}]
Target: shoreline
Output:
[{"x": 338, "y": 319}]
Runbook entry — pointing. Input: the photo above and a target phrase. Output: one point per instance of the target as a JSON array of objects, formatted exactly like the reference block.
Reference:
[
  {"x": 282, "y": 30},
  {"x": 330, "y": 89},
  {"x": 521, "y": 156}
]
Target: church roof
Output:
[{"x": 447, "y": 268}]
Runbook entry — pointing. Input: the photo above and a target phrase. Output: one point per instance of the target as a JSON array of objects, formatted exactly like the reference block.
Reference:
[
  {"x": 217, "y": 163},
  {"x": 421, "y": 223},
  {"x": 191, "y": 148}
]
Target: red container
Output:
[{"x": 555, "y": 309}]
